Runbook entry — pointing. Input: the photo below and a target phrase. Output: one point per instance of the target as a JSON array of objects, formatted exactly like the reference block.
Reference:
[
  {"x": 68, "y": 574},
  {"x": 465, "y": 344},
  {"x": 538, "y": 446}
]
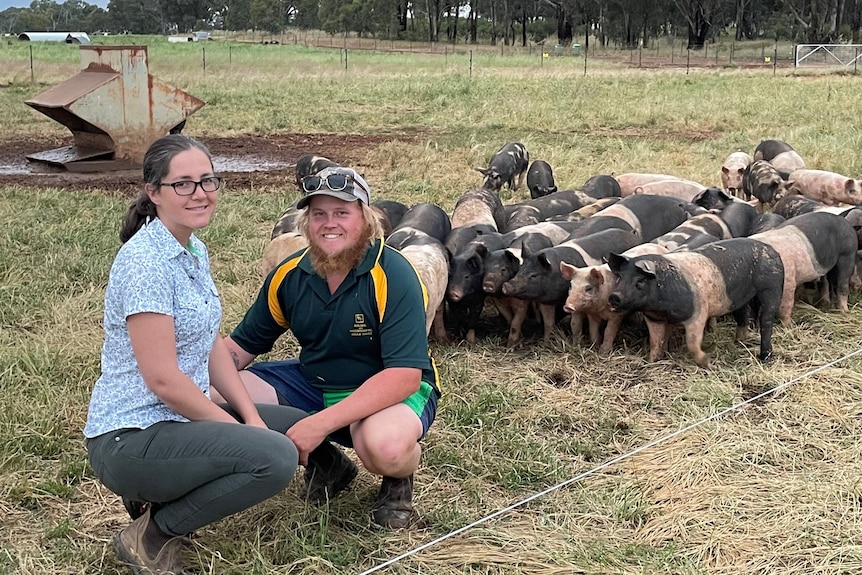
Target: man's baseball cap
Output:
[{"x": 342, "y": 183}]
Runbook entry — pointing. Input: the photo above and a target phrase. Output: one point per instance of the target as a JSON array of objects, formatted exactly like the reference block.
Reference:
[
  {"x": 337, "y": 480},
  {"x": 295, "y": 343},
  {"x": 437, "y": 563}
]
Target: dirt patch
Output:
[{"x": 246, "y": 162}]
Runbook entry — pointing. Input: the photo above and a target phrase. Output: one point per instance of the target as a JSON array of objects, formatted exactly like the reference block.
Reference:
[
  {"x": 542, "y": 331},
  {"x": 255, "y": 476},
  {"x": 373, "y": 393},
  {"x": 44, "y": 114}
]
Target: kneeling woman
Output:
[{"x": 154, "y": 437}]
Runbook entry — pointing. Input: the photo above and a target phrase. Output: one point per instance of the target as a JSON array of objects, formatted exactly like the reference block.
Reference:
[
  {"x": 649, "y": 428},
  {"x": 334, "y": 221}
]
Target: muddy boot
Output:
[
  {"x": 394, "y": 504},
  {"x": 328, "y": 473},
  {"x": 132, "y": 549}
]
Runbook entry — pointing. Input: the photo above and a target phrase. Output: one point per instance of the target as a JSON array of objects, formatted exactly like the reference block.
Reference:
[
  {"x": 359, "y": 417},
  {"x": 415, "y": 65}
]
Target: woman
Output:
[{"x": 152, "y": 432}]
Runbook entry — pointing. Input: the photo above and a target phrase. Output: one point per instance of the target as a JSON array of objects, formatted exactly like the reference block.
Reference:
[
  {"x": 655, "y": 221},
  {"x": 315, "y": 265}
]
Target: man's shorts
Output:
[{"x": 292, "y": 388}]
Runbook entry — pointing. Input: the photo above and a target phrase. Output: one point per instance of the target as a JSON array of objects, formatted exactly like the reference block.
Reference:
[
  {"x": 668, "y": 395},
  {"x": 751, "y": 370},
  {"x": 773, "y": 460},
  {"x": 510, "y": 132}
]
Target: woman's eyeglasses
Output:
[{"x": 188, "y": 187}]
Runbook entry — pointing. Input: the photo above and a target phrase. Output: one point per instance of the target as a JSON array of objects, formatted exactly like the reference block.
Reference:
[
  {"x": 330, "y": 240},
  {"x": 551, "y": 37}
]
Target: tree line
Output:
[{"x": 622, "y": 23}]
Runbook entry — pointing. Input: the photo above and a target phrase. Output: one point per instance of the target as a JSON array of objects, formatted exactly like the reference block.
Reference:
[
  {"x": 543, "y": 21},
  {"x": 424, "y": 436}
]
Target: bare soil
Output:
[{"x": 247, "y": 162}]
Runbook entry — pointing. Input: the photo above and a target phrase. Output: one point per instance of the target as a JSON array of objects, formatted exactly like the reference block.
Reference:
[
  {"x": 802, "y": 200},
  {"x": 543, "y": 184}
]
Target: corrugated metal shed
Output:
[{"x": 67, "y": 37}]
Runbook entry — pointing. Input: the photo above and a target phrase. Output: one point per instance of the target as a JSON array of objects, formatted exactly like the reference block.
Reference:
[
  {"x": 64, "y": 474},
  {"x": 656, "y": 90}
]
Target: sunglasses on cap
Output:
[{"x": 335, "y": 182}]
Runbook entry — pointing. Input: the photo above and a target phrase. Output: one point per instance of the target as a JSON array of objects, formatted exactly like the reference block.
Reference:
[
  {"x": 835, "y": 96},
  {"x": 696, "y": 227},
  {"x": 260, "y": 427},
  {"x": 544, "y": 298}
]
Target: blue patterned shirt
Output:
[{"x": 153, "y": 273}]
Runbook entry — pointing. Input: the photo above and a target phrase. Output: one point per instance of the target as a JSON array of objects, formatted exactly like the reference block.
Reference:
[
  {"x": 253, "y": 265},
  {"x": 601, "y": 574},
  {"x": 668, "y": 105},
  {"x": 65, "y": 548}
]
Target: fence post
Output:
[
  {"x": 471, "y": 64},
  {"x": 32, "y": 74},
  {"x": 204, "y": 58},
  {"x": 230, "y": 55},
  {"x": 687, "y": 59}
]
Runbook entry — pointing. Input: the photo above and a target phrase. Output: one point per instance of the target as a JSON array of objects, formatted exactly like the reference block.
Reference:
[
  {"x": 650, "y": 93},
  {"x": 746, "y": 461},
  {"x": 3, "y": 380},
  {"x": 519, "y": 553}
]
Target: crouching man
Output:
[{"x": 357, "y": 309}]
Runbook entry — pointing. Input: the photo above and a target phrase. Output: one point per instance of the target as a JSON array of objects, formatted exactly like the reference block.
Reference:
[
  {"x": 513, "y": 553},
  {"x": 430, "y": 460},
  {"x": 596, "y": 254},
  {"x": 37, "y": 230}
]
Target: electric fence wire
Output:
[{"x": 608, "y": 463}]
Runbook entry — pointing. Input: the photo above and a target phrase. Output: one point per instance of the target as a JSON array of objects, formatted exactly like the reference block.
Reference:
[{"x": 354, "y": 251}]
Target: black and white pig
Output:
[
  {"x": 602, "y": 186},
  {"x": 508, "y": 164},
  {"x": 649, "y": 216},
  {"x": 539, "y": 278},
  {"x": 392, "y": 210},
  {"x": 478, "y": 211},
  {"x": 419, "y": 236},
  {"x": 763, "y": 182},
  {"x": 502, "y": 265},
  {"x": 540, "y": 209},
  {"x": 781, "y": 155},
  {"x": 284, "y": 241},
  {"x": 464, "y": 291},
  {"x": 691, "y": 287},
  {"x": 813, "y": 245},
  {"x": 310, "y": 164},
  {"x": 540, "y": 179}
]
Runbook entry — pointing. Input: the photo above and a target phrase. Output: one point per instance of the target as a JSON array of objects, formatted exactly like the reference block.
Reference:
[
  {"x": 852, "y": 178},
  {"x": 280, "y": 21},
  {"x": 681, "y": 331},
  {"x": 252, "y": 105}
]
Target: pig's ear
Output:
[
  {"x": 567, "y": 270},
  {"x": 482, "y": 250},
  {"x": 615, "y": 261},
  {"x": 483, "y": 171},
  {"x": 849, "y": 184},
  {"x": 511, "y": 256},
  {"x": 647, "y": 267}
]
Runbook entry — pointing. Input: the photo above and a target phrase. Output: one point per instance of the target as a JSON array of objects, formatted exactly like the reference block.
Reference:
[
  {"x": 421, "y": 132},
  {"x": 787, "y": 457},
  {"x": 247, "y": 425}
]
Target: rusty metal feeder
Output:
[{"x": 114, "y": 108}]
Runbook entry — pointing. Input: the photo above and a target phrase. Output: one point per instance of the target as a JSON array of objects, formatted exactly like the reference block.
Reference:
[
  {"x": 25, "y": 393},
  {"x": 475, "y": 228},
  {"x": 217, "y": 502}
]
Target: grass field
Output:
[{"x": 773, "y": 487}]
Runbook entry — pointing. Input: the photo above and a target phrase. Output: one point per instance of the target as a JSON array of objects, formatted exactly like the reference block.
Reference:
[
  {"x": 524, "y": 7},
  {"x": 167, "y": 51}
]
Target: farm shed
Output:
[{"x": 67, "y": 37}]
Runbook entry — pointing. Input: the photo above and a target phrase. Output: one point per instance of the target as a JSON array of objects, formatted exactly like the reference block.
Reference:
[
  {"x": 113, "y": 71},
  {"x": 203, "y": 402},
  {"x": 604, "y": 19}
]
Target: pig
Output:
[
  {"x": 793, "y": 205},
  {"x": 630, "y": 181},
  {"x": 828, "y": 187},
  {"x": 813, "y": 245},
  {"x": 732, "y": 172},
  {"x": 767, "y": 221},
  {"x": 279, "y": 249},
  {"x": 508, "y": 163},
  {"x": 683, "y": 189},
  {"x": 310, "y": 164},
  {"x": 419, "y": 238},
  {"x": 476, "y": 212},
  {"x": 649, "y": 216},
  {"x": 540, "y": 179},
  {"x": 556, "y": 232},
  {"x": 500, "y": 266},
  {"x": 691, "y": 287},
  {"x": 764, "y": 183},
  {"x": 586, "y": 211},
  {"x": 539, "y": 279},
  {"x": 464, "y": 292},
  {"x": 421, "y": 219},
  {"x": 589, "y": 289},
  {"x": 286, "y": 222},
  {"x": 393, "y": 211},
  {"x": 602, "y": 186},
  {"x": 691, "y": 232},
  {"x": 781, "y": 155},
  {"x": 540, "y": 209},
  {"x": 284, "y": 241}
]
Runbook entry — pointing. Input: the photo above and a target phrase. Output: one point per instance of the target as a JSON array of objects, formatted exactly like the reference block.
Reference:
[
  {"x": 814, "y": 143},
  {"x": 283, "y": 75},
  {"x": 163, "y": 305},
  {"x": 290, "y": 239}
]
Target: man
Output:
[{"x": 357, "y": 308}]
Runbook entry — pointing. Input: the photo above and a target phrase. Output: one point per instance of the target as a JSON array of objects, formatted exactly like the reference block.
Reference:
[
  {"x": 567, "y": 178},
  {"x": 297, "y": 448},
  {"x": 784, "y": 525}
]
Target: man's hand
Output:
[{"x": 307, "y": 434}]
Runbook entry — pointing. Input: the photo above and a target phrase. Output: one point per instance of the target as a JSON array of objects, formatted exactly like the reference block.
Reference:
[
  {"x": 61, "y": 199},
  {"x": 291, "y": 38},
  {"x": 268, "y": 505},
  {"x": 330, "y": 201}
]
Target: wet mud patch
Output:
[{"x": 246, "y": 162}]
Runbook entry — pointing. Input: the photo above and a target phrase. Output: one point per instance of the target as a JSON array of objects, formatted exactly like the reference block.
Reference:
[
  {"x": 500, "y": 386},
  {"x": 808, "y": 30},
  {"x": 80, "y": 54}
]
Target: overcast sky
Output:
[{"x": 26, "y": 3}]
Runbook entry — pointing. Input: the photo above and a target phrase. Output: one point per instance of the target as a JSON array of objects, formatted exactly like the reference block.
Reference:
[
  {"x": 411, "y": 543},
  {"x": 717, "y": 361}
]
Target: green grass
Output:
[{"x": 771, "y": 488}]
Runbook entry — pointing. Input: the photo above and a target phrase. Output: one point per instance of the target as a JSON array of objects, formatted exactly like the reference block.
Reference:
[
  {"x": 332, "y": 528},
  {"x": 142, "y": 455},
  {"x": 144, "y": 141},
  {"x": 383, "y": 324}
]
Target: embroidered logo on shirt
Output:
[{"x": 360, "y": 328}]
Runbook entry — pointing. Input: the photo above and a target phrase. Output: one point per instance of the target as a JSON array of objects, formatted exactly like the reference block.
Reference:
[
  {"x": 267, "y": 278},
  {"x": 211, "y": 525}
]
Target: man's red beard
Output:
[{"x": 342, "y": 262}]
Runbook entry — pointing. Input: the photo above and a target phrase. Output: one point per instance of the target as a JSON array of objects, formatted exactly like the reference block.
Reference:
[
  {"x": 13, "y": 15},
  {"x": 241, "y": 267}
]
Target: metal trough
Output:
[{"x": 114, "y": 108}]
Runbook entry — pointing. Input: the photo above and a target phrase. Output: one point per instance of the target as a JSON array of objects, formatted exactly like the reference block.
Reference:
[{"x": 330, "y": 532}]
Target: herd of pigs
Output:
[{"x": 652, "y": 248}]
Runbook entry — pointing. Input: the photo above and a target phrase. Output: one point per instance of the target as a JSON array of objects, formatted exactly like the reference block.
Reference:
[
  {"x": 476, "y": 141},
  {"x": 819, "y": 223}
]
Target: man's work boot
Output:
[
  {"x": 328, "y": 473},
  {"x": 394, "y": 504}
]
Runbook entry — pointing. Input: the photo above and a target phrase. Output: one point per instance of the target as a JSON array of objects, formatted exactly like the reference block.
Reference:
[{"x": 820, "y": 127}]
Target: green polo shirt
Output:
[{"x": 375, "y": 320}]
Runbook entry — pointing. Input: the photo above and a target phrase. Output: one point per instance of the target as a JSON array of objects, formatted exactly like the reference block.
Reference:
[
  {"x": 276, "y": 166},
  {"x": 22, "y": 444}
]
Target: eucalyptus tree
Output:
[
  {"x": 820, "y": 19},
  {"x": 137, "y": 16}
]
